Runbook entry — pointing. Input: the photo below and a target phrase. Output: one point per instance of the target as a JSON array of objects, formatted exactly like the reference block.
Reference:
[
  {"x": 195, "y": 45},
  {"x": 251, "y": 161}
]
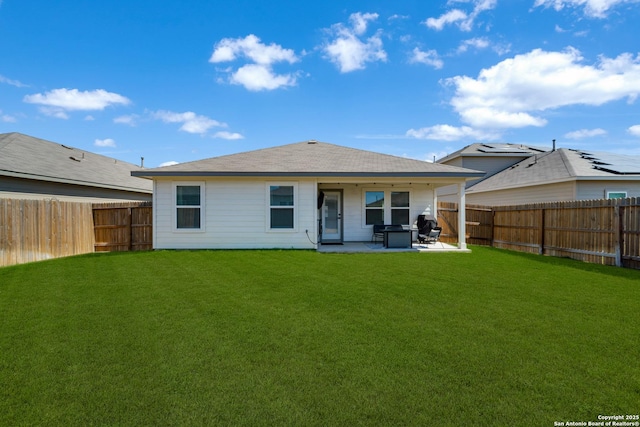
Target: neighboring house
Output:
[
  {"x": 282, "y": 197},
  {"x": 33, "y": 168},
  {"x": 560, "y": 175},
  {"x": 488, "y": 157}
]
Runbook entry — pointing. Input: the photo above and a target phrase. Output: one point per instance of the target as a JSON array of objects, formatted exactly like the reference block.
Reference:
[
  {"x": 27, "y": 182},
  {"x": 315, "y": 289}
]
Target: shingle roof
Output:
[
  {"x": 309, "y": 158},
  {"x": 27, "y": 157},
  {"x": 495, "y": 149},
  {"x": 554, "y": 166}
]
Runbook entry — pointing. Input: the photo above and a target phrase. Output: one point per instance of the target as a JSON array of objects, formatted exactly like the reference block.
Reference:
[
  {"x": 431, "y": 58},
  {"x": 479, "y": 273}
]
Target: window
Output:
[
  {"x": 616, "y": 194},
  {"x": 387, "y": 207},
  {"x": 189, "y": 206},
  {"x": 281, "y": 207},
  {"x": 374, "y": 207},
  {"x": 400, "y": 207}
]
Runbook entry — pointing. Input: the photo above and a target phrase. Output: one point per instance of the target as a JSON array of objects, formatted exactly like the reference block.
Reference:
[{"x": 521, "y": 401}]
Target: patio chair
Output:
[
  {"x": 378, "y": 233},
  {"x": 425, "y": 224},
  {"x": 432, "y": 237},
  {"x": 379, "y": 229}
]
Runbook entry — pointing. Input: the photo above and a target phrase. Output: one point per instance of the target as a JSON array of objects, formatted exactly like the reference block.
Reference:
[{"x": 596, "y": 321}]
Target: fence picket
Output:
[{"x": 34, "y": 230}]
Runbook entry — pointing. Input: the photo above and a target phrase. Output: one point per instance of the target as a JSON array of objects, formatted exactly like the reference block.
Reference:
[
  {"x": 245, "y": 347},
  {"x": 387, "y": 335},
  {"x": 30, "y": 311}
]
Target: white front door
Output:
[{"x": 332, "y": 217}]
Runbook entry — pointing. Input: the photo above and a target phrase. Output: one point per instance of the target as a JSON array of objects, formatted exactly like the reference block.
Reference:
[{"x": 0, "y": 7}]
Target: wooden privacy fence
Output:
[
  {"x": 597, "y": 231},
  {"x": 123, "y": 226},
  {"x": 35, "y": 230}
]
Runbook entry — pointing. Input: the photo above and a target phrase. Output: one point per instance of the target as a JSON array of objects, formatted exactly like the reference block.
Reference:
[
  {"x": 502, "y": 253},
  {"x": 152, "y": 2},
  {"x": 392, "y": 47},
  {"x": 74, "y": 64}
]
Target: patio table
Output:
[{"x": 397, "y": 238}]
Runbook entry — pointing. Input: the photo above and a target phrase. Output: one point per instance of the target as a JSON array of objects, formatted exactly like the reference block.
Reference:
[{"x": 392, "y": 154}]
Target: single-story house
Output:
[
  {"x": 488, "y": 157},
  {"x": 32, "y": 168},
  {"x": 560, "y": 175},
  {"x": 293, "y": 196}
]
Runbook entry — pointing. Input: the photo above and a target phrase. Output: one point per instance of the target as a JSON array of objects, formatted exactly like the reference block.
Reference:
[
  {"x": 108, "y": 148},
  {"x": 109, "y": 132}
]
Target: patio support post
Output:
[{"x": 462, "y": 231}]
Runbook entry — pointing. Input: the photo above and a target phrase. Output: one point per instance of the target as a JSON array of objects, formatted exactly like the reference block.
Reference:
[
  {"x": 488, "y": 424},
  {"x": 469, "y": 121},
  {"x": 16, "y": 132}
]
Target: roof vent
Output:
[{"x": 312, "y": 141}]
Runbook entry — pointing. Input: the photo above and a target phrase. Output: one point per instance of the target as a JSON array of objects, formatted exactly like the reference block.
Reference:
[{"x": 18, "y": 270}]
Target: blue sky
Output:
[{"x": 175, "y": 81}]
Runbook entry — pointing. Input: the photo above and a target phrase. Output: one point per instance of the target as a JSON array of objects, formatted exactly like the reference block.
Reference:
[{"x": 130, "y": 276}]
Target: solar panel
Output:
[
  {"x": 503, "y": 148},
  {"x": 615, "y": 163}
]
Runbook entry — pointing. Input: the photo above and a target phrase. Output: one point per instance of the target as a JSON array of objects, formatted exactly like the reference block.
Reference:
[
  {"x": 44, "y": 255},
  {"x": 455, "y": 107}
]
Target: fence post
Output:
[
  {"x": 130, "y": 225},
  {"x": 618, "y": 239},
  {"x": 541, "y": 233}
]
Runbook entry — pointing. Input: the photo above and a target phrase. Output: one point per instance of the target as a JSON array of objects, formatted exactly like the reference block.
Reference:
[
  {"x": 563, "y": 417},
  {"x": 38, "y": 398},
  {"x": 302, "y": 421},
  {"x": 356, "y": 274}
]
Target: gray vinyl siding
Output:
[
  {"x": 523, "y": 195},
  {"x": 11, "y": 187},
  {"x": 588, "y": 190},
  {"x": 490, "y": 165}
]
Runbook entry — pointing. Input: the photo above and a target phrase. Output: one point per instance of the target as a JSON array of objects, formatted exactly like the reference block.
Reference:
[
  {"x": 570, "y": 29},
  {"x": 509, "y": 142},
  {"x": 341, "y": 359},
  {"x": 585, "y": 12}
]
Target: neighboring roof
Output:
[
  {"x": 495, "y": 149},
  {"x": 24, "y": 156},
  {"x": 563, "y": 165},
  {"x": 310, "y": 158}
]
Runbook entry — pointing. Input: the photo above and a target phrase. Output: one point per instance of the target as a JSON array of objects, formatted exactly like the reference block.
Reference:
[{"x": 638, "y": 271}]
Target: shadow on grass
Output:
[{"x": 569, "y": 263}]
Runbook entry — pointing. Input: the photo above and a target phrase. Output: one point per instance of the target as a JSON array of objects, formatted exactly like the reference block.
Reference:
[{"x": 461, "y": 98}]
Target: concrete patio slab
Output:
[{"x": 366, "y": 247}]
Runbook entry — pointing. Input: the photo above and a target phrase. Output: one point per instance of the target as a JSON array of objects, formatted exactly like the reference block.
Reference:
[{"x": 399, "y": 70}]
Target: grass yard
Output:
[{"x": 301, "y": 338}]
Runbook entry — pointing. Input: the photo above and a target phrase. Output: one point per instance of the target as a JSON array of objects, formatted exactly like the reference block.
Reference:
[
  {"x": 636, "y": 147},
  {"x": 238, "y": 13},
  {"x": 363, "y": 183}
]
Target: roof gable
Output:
[
  {"x": 309, "y": 158},
  {"x": 27, "y": 157}
]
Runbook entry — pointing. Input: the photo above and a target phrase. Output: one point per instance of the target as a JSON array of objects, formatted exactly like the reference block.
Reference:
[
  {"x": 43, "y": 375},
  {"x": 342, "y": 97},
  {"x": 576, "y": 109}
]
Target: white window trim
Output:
[
  {"x": 391, "y": 208},
  {"x": 617, "y": 192},
  {"x": 268, "y": 206},
  {"x": 387, "y": 203},
  {"x": 174, "y": 205},
  {"x": 364, "y": 204}
]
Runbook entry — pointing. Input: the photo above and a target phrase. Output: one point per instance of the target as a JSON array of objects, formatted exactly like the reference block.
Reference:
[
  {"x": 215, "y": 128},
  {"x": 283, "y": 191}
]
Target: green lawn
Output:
[{"x": 301, "y": 338}]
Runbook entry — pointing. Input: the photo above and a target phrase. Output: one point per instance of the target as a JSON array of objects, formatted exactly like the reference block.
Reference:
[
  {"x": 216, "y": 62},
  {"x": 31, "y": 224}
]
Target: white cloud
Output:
[
  {"x": 169, "y": 163},
  {"x": 450, "y": 17},
  {"x": 251, "y": 47},
  {"x": 257, "y": 77},
  {"x": 191, "y": 122},
  {"x": 73, "y": 99},
  {"x": 5, "y": 118},
  {"x": 131, "y": 119},
  {"x": 11, "y": 82},
  {"x": 487, "y": 117},
  {"x": 55, "y": 112},
  {"x": 634, "y": 130},
  {"x": 512, "y": 92},
  {"x": 451, "y": 133},
  {"x": 360, "y": 21},
  {"x": 228, "y": 135},
  {"x": 398, "y": 17},
  {"x": 585, "y": 133},
  {"x": 348, "y": 50},
  {"x": 429, "y": 57},
  {"x": 105, "y": 143},
  {"x": 477, "y": 43},
  {"x": 592, "y": 8},
  {"x": 89, "y": 118},
  {"x": 463, "y": 19},
  {"x": 259, "y": 74}
]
